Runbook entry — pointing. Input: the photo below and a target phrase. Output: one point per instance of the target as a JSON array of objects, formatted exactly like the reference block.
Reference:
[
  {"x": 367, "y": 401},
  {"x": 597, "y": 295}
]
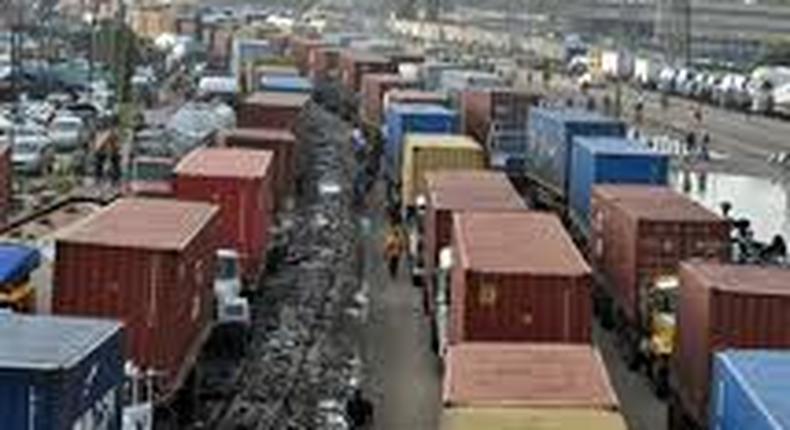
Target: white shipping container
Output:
[
  {"x": 617, "y": 64},
  {"x": 646, "y": 71}
]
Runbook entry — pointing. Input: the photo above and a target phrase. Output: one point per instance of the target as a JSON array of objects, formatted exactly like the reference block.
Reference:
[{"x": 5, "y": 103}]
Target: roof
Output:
[
  {"x": 420, "y": 108},
  {"x": 573, "y": 115},
  {"x": 144, "y": 223},
  {"x": 439, "y": 140},
  {"x": 225, "y": 163},
  {"x": 616, "y": 146},
  {"x": 45, "y": 342},
  {"x": 17, "y": 261},
  {"x": 509, "y": 418},
  {"x": 252, "y": 133},
  {"x": 764, "y": 374},
  {"x": 416, "y": 96},
  {"x": 517, "y": 242},
  {"x": 384, "y": 77},
  {"x": 656, "y": 203},
  {"x": 527, "y": 374},
  {"x": 747, "y": 279},
  {"x": 364, "y": 56},
  {"x": 286, "y": 83},
  {"x": 278, "y": 98},
  {"x": 472, "y": 190}
]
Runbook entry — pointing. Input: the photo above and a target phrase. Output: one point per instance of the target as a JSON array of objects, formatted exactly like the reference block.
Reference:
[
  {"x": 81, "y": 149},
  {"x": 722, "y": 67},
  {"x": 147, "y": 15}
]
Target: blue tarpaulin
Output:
[{"x": 16, "y": 261}]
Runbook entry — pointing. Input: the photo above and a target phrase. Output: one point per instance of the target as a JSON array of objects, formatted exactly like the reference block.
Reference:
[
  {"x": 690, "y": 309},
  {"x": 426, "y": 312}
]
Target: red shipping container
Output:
[
  {"x": 271, "y": 110},
  {"x": 6, "y": 183},
  {"x": 517, "y": 277},
  {"x": 374, "y": 86},
  {"x": 640, "y": 232},
  {"x": 239, "y": 181},
  {"x": 324, "y": 63},
  {"x": 281, "y": 142},
  {"x": 355, "y": 64},
  {"x": 454, "y": 191},
  {"x": 725, "y": 306},
  {"x": 527, "y": 374},
  {"x": 150, "y": 264},
  {"x": 507, "y": 107},
  {"x": 301, "y": 49}
]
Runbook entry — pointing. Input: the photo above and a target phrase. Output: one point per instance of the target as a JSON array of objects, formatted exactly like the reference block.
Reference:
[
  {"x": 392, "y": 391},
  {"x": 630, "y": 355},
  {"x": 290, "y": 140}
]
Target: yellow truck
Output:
[
  {"x": 423, "y": 153},
  {"x": 17, "y": 262}
]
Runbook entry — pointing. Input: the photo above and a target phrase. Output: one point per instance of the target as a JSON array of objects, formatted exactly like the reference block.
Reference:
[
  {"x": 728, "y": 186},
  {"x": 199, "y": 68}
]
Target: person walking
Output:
[{"x": 393, "y": 248}]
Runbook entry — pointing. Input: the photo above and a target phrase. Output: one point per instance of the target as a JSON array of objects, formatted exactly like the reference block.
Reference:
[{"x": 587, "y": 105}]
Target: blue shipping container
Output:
[
  {"x": 286, "y": 84},
  {"x": 60, "y": 373},
  {"x": 750, "y": 390},
  {"x": 403, "y": 118},
  {"x": 549, "y": 148},
  {"x": 607, "y": 160}
]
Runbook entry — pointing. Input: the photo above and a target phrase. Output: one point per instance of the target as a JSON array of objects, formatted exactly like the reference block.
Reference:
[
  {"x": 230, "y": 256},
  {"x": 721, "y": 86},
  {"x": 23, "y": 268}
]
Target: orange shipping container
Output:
[
  {"x": 150, "y": 264},
  {"x": 517, "y": 277}
]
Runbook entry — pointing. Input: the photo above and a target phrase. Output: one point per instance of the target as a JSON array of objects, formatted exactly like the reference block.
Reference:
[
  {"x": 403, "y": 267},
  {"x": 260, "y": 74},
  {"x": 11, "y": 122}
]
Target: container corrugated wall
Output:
[
  {"x": 271, "y": 110},
  {"x": 508, "y": 108}
]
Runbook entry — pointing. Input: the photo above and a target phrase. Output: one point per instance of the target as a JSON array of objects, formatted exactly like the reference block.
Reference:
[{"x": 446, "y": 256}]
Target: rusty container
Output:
[
  {"x": 507, "y": 108},
  {"x": 324, "y": 63},
  {"x": 355, "y": 64},
  {"x": 724, "y": 306},
  {"x": 374, "y": 86},
  {"x": 517, "y": 276},
  {"x": 271, "y": 110},
  {"x": 239, "y": 181},
  {"x": 150, "y": 264},
  {"x": 301, "y": 49},
  {"x": 641, "y": 232}
]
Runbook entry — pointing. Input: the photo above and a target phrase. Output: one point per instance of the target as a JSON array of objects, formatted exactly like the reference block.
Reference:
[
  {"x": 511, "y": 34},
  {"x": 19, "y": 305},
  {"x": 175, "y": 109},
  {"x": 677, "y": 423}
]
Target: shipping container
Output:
[
  {"x": 265, "y": 109},
  {"x": 430, "y": 73},
  {"x": 411, "y": 96},
  {"x": 456, "y": 191},
  {"x": 60, "y": 373},
  {"x": 642, "y": 232},
  {"x": 423, "y": 153},
  {"x": 549, "y": 147},
  {"x": 324, "y": 63},
  {"x": 413, "y": 118},
  {"x": 405, "y": 57},
  {"x": 517, "y": 276},
  {"x": 502, "y": 108},
  {"x": 457, "y": 81},
  {"x": 302, "y": 48},
  {"x": 609, "y": 161},
  {"x": 750, "y": 390},
  {"x": 6, "y": 183},
  {"x": 281, "y": 142},
  {"x": 286, "y": 84},
  {"x": 617, "y": 64},
  {"x": 278, "y": 70},
  {"x": 240, "y": 183},
  {"x": 524, "y": 386},
  {"x": 250, "y": 51},
  {"x": 374, "y": 86},
  {"x": 724, "y": 306},
  {"x": 355, "y": 64},
  {"x": 150, "y": 264}
]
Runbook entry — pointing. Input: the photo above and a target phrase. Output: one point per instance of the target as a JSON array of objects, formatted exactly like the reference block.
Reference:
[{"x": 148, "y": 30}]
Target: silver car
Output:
[
  {"x": 67, "y": 133},
  {"x": 32, "y": 151}
]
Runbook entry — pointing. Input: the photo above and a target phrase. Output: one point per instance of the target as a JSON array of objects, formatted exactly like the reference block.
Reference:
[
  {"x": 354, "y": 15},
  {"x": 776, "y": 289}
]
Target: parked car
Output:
[
  {"x": 32, "y": 151},
  {"x": 733, "y": 92},
  {"x": 666, "y": 80},
  {"x": 68, "y": 132},
  {"x": 684, "y": 82}
]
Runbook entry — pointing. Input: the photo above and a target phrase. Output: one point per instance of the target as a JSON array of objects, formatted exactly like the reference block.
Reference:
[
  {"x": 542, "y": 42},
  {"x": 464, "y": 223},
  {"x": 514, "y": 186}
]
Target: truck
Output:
[
  {"x": 646, "y": 72},
  {"x": 528, "y": 386},
  {"x": 17, "y": 262},
  {"x": 639, "y": 236},
  {"x": 617, "y": 64}
]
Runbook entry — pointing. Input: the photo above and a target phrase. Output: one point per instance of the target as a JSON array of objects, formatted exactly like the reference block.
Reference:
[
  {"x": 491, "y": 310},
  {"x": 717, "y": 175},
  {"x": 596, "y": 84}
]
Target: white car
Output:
[
  {"x": 32, "y": 150},
  {"x": 67, "y": 132}
]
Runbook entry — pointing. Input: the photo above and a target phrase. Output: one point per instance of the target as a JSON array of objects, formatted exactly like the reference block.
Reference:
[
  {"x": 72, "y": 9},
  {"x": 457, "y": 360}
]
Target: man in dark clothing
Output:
[{"x": 359, "y": 410}]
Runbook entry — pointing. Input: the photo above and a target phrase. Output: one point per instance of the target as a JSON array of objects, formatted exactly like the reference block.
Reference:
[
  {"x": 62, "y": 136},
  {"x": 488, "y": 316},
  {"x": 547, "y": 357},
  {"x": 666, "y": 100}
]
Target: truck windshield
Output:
[
  {"x": 152, "y": 171},
  {"x": 227, "y": 268}
]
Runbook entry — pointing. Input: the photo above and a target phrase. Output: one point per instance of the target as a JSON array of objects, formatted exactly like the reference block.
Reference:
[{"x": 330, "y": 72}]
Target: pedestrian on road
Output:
[
  {"x": 359, "y": 411},
  {"x": 393, "y": 248}
]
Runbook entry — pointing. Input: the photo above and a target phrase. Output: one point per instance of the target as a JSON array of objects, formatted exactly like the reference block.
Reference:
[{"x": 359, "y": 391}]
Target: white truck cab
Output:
[
  {"x": 231, "y": 307},
  {"x": 441, "y": 317}
]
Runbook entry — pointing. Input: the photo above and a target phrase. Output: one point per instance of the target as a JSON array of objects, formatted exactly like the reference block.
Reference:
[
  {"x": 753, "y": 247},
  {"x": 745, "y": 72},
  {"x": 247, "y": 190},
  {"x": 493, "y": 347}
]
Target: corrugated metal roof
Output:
[
  {"x": 574, "y": 115},
  {"x": 420, "y": 108},
  {"x": 159, "y": 224},
  {"x": 428, "y": 140},
  {"x": 743, "y": 278},
  {"x": 656, "y": 203},
  {"x": 276, "y": 134},
  {"x": 509, "y": 418},
  {"x": 225, "y": 163},
  {"x": 517, "y": 242},
  {"x": 49, "y": 342},
  {"x": 522, "y": 374},
  {"x": 472, "y": 189},
  {"x": 616, "y": 145},
  {"x": 278, "y": 98}
]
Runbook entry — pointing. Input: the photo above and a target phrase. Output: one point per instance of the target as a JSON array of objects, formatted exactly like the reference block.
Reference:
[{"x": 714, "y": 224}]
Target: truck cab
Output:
[
  {"x": 232, "y": 308},
  {"x": 659, "y": 322},
  {"x": 151, "y": 177},
  {"x": 415, "y": 230},
  {"x": 441, "y": 317},
  {"x": 17, "y": 262}
]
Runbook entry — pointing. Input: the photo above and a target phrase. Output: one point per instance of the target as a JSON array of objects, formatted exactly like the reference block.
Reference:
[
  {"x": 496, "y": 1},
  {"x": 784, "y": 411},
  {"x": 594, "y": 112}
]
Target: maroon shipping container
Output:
[
  {"x": 301, "y": 50},
  {"x": 527, "y": 374},
  {"x": 374, "y": 86},
  {"x": 220, "y": 44},
  {"x": 640, "y": 232},
  {"x": 239, "y": 181},
  {"x": 324, "y": 63},
  {"x": 355, "y": 64},
  {"x": 150, "y": 264},
  {"x": 517, "y": 277},
  {"x": 271, "y": 110},
  {"x": 725, "y": 306},
  {"x": 455, "y": 191},
  {"x": 281, "y": 142},
  {"x": 6, "y": 182},
  {"x": 506, "y": 107}
]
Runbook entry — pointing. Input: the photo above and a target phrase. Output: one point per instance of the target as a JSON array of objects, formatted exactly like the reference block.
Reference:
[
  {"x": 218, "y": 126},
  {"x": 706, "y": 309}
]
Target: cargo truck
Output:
[
  {"x": 527, "y": 386},
  {"x": 639, "y": 236},
  {"x": 17, "y": 262}
]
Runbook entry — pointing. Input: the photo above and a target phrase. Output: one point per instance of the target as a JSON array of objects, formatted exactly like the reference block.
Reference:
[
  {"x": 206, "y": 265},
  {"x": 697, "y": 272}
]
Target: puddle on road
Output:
[{"x": 763, "y": 201}]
